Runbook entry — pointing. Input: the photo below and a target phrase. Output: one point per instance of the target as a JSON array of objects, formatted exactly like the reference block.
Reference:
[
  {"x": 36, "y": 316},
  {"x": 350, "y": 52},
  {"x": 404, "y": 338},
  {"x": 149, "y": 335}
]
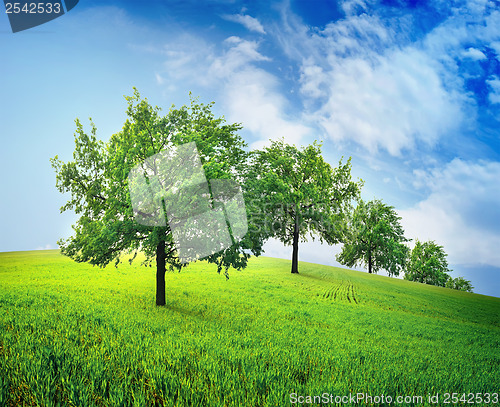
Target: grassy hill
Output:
[{"x": 73, "y": 334}]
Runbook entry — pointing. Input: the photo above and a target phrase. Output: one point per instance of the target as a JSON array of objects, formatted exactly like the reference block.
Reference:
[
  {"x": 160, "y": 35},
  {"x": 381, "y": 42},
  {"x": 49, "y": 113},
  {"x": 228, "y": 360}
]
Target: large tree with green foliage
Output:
[
  {"x": 97, "y": 179},
  {"x": 374, "y": 237},
  {"x": 294, "y": 192},
  {"x": 427, "y": 264}
]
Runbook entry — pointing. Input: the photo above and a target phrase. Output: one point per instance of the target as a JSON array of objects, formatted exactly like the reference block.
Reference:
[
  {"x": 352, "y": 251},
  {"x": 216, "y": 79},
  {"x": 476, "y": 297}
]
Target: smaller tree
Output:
[
  {"x": 428, "y": 264},
  {"x": 459, "y": 283},
  {"x": 374, "y": 237},
  {"x": 293, "y": 192}
]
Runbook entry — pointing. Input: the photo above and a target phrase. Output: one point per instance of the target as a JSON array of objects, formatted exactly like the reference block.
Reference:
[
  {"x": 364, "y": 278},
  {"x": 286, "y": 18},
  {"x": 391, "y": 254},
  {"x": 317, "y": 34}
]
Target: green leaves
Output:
[
  {"x": 374, "y": 237},
  {"x": 97, "y": 179},
  {"x": 428, "y": 264},
  {"x": 286, "y": 182},
  {"x": 293, "y": 192},
  {"x": 459, "y": 283}
]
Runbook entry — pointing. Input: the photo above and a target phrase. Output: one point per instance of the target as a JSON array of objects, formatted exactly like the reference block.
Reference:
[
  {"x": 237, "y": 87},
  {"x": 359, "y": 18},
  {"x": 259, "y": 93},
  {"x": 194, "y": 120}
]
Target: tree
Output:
[
  {"x": 293, "y": 192},
  {"x": 98, "y": 179},
  {"x": 428, "y": 264},
  {"x": 459, "y": 283},
  {"x": 374, "y": 237}
]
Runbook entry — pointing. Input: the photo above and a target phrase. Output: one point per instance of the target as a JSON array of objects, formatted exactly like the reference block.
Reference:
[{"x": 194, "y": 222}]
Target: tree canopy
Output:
[
  {"x": 97, "y": 180},
  {"x": 459, "y": 283},
  {"x": 374, "y": 237},
  {"x": 293, "y": 192},
  {"x": 427, "y": 264}
]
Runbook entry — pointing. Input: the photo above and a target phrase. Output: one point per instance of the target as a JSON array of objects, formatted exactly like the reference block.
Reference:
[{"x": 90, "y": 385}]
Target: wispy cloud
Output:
[
  {"x": 251, "y": 23},
  {"x": 239, "y": 54},
  {"x": 248, "y": 92}
]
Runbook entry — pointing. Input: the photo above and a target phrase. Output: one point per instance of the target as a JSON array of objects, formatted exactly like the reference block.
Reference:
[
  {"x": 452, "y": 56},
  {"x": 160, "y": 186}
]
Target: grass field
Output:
[{"x": 76, "y": 335}]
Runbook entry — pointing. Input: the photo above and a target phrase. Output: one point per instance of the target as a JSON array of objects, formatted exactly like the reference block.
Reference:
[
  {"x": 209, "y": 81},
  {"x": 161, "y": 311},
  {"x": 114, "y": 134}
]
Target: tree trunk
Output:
[
  {"x": 370, "y": 263},
  {"x": 160, "y": 273},
  {"x": 295, "y": 245}
]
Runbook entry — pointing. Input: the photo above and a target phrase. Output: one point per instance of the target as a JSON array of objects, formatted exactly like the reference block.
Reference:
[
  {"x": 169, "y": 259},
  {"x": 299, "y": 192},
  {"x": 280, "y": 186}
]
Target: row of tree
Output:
[
  {"x": 290, "y": 194},
  {"x": 301, "y": 196}
]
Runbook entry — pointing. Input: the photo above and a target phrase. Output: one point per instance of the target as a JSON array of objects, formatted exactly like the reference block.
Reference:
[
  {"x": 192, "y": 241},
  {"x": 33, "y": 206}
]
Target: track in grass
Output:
[{"x": 342, "y": 291}]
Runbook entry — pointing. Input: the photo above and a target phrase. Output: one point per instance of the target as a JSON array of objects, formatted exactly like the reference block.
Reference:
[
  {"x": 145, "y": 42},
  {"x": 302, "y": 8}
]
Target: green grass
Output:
[{"x": 76, "y": 335}]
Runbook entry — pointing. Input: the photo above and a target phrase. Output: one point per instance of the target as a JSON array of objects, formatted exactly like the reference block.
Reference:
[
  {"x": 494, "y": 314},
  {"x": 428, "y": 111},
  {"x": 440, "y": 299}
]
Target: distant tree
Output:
[
  {"x": 428, "y": 264},
  {"x": 459, "y": 283},
  {"x": 97, "y": 180},
  {"x": 374, "y": 237},
  {"x": 295, "y": 192}
]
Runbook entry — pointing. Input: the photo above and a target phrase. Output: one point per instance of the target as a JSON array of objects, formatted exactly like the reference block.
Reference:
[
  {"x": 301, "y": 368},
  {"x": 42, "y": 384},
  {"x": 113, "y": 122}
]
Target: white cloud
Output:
[
  {"x": 360, "y": 86},
  {"x": 462, "y": 211},
  {"x": 251, "y": 23},
  {"x": 355, "y": 36},
  {"x": 312, "y": 78},
  {"x": 240, "y": 55},
  {"x": 388, "y": 103},
  {"x": 474, "y": 54}
]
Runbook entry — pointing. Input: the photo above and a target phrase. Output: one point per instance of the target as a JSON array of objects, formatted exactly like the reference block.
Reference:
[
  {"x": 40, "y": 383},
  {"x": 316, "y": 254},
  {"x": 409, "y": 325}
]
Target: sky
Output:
[{"x": 409, "y": 89}]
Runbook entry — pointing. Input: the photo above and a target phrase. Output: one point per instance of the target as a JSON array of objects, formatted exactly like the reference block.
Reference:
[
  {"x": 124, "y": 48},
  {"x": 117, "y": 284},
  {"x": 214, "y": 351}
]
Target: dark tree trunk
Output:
[
  {"x": 370, "y": 263},
  {"x": 295, "y": 245},
  {"x": 160, "y": 273}
]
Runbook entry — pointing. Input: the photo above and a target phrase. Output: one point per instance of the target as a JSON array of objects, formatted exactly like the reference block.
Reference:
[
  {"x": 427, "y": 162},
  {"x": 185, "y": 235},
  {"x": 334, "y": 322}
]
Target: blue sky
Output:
[{"x": 409, "y": 89}]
